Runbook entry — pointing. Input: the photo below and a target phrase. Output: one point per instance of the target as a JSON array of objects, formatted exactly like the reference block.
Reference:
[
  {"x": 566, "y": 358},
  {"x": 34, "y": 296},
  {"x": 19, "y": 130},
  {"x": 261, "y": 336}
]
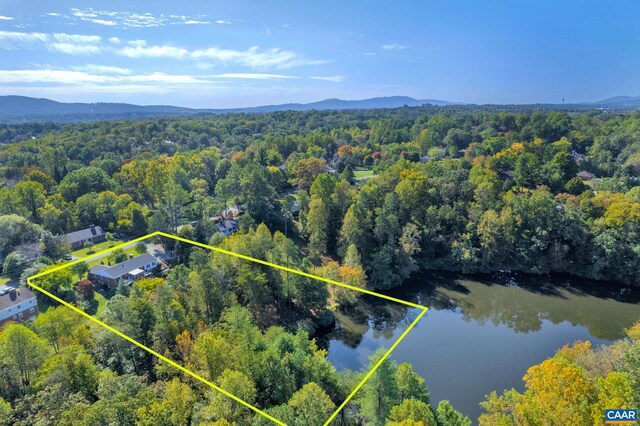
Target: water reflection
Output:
[
  {"x": 523, "y": 303},
  {"x": 482, "y": 334}
]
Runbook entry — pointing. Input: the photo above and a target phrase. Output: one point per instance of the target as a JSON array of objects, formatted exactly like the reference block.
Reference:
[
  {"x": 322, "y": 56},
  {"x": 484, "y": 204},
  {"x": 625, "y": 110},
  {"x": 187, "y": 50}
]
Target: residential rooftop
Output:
[
  {"x": 83, "y": 234},
  {"x": 13, "y": 296},
  {"x": 123, "y": 268}
]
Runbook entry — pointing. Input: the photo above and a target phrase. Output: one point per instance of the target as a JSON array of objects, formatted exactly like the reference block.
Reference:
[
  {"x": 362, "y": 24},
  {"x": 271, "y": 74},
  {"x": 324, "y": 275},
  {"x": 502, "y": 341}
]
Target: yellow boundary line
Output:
[{"x": 240, "y": 256}]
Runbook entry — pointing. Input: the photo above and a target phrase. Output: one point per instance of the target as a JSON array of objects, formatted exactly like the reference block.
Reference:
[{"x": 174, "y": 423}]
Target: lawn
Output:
[
  {"x": 4, "y": 279},
  {"x": 102, "y": 302},
  {"x": 359, "y": 174},
  {"x": 130, "y": 250},
  {"x": 83, "y": 252}
]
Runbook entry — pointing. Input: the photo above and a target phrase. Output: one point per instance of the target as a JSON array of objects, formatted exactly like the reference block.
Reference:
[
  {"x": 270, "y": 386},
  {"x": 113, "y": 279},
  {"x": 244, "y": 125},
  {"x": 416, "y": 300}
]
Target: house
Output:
[
  {"x": 585, "y": 175},
  {"x": 227, "y": 227},
  {"x": 17, "y": 304},
  {"x": 231, "y": 213},
  {"x": 125, "y": 272},
  {"x": 578, "y": 157},
  {"x": 77, "y": 239}
]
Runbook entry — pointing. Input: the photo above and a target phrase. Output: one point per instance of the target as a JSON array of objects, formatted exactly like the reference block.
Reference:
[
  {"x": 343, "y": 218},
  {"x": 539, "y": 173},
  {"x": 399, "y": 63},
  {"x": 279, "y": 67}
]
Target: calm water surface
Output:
[{"x": 480, "y": 336}]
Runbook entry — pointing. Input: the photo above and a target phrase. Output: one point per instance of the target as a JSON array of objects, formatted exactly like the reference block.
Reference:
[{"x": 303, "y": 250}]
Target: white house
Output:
[{"x": 17, "y": 304}]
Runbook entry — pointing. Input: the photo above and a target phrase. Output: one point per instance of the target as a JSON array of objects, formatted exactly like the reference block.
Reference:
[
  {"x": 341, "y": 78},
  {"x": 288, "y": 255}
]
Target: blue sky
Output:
[{"x": 243, "y": 53}]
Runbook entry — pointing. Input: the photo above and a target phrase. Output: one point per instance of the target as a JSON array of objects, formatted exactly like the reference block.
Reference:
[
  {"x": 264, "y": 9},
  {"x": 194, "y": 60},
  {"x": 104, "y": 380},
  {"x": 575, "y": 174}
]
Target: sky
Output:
[{"x": 222, "y": 54}]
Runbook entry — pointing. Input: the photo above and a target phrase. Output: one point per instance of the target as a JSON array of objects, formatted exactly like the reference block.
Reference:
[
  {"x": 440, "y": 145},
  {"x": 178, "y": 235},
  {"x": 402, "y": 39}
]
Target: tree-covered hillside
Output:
[
  {"x": 365, "y": 197},
  {"x": 473, "y": 192}
]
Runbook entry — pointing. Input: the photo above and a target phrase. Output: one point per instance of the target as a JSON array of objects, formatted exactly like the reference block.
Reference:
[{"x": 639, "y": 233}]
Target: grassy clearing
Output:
[
  {"x": 102, "y": 303},
  {"x": 105, "y": 259},
  {"x": 4, "y": 279},
  {"x": 83, "y": 252},
  {"x": 359, "y": 174}
]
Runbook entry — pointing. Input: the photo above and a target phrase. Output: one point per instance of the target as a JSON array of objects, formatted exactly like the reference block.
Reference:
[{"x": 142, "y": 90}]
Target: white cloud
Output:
[
  {"x": 158, "y": 77},
  {"x": 83, "y": 14},
  {"x": 75, "y": 44},
  {"x": 71, "y": 44},
  {"x": 131, "y": 19},
  {"x": 104, "y": 22},
  {"x": 142, "y": 20},
  {"x": 53, "y": 14},
  {"x": 6, "y": 18},
  {"x": 392, "y": 46},
  {"x": 137, "y": 43},
  {"x": 140, "y": 49},
  {"x": 12, "y": 39},
  {"x": 253, "y": 76},
  {"x": 254, "y": 58},
  {"x": 103, "y": 69},
  {"x": 49, "y": 76},
  {"x": 80, "y": 44},
  {"x": 74, "y": 49},
  {"x": 332, "y": 78},
  {"x": 65, "y": 77},
  {"x": 195, "y": 22},
  {"x": 77, "y": 38},
  {"x": 223, "y": 22}
]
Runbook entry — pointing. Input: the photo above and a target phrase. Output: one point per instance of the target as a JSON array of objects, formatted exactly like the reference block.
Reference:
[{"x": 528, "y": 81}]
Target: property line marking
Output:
[
  {"x": 240, "y": 256},
  {"x": 151, "y": 351},
  {"x": 378, "y": 364},
  {"x": 295, "y": 271}
]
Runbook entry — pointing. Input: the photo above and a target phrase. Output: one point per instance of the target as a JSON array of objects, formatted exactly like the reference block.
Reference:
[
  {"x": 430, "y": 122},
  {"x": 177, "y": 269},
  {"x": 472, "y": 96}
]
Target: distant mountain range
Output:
[
  {"x": 621, "y": 101},
  {"x": 17, "y": 109}
]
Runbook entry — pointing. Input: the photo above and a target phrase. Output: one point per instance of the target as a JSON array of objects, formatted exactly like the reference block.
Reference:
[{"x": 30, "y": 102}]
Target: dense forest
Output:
[{"x": 366, "y": 197}]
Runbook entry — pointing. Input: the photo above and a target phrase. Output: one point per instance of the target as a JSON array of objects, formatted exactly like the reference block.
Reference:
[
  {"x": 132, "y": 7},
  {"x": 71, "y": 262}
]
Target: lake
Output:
[{"x": 481, "y": 334}]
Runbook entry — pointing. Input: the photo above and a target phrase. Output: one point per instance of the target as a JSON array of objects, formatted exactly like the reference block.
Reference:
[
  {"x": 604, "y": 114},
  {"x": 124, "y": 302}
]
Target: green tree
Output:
[
  {"x": 174, "y": 409},
  {"x": 410, "y": 384},
  {"x": 14, "y": 264},
  {"x": 348, "y": 175},
  {"x": 380, "y": 392},
  {"x": 448, "y": 416},
  {"x": 317, "y": 225},
  {"x": 140, "y": 247},
  {"x": 22, "y": 350},
  {"x": 413, "y": 410},
  {"x": 59, "y": 283},
  {"x": 305, "y": 171},
  {"x": 53, "y": 246},
  {"x": 31, "y": 195},
  {"x": 16, "y": 230},
  {"x": 222, "y": 407},
  {"x": 311, "y": 405},
  {"x": 132, "y": 219},
  {"x": 5, "y": 412},
  {"x": 527, "y": 170},
  {"x": 83, "y": 181},
  {"x": 80, "y": 269},
  {"x": 73, "y": 369},
  {"x": 118, "y": 255},
  {"x": 575, "y": 186}
]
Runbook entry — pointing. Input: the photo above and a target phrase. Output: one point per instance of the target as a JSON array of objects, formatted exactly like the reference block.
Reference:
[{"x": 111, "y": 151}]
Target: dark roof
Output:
[
  {"x": 585, "y": 175},
  {"x": 226, "y": 224},
  {"x": 125, "y": 267},
  {"x": 11, "y": 298},
  {"x": 83, "y": 234}
]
